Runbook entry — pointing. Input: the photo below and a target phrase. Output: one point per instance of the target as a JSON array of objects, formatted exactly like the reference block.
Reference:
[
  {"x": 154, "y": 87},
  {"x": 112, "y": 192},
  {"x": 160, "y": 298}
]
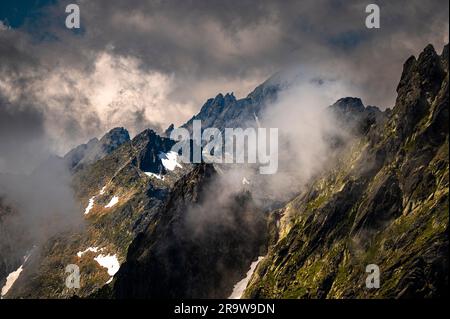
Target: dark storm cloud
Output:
[
  {"x": 22, "y": 124},
  {"x": 209, "y": 42},
  {"x": 21, "y": 137},
  {"x": 150, "y": 63}
]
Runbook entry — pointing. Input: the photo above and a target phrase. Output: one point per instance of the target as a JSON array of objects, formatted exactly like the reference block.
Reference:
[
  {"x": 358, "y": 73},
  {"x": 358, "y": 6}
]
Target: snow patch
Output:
[
  {"x": 112, "y": 202},
  {"x": 12, "y": 277},
  {"x": 169, "y": 160},
  {"x": 110, "y": 262},
  {"x": 91, "y": 249},
  {"x": 150, "y": 174},
  {"x": 239, "y": 288},
  {"x": 91, "y": 201},
  {"x": 90, "y": 205}
]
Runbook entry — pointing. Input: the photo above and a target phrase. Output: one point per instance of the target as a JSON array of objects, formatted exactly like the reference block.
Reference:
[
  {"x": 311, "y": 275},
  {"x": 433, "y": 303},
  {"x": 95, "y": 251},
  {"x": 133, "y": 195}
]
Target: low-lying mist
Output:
[
  {"x": 307, "y": 136},
  {"x": 307, "y": 145},
  {"x": 307, "y": 131},
  {"x": 42, "y": 205}
]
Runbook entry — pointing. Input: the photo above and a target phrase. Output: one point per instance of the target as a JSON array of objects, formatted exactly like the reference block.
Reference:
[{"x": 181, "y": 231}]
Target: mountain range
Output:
[{"x": 155, "y": 227}]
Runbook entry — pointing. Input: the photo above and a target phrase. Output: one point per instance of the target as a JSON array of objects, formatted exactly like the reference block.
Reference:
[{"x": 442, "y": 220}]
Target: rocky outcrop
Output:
[
  {"x": 227, "y": 111},
  {"x": 148, "y": 146},
  {"x": 197, "y": 248},
  {"x": 109, "y": 229},
  {"x": 354, "y": 116},
  {"x": 385, "y": 202}
]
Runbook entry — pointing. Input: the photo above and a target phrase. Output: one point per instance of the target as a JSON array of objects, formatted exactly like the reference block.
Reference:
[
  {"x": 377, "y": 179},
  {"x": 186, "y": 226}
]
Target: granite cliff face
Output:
[{"x": 385, "y": 202}]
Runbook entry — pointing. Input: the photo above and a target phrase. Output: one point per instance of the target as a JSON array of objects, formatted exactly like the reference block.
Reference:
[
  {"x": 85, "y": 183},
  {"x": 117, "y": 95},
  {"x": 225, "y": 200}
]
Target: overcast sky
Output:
[{"x": 143, "y": 64}]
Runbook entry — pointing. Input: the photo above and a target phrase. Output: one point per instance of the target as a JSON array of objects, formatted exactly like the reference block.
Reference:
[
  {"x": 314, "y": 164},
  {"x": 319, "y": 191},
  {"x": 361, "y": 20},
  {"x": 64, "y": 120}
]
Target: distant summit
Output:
[
  {"x": 349, "y": 104},
  {"x": 352, "y": 113},
  {"x": 96, "y": 149}
]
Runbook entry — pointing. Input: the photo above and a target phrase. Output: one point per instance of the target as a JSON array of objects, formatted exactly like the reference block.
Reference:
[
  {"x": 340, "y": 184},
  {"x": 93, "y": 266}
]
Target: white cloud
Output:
[{"x": 116, "y": 91}]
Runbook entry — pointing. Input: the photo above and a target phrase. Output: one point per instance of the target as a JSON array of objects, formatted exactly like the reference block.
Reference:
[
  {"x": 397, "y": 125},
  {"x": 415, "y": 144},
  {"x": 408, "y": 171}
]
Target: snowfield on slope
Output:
[
  {"x": 150, "y": 174},
  {"x": 90, "y": 205},
  {"x": 91, "y": 201},
  {"x": 239, "y": 288},
  {"x": 12, "y": 277},
  {"x": 169, "y": 160},
  {"x": 109, "y": 262},
  {"x": 112, "y": 202},
  {"x": 91, "y": 249}
]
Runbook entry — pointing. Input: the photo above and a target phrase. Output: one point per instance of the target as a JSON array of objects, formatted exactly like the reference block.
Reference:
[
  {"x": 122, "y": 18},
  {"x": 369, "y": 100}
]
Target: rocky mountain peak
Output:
[
  {"x": 113, "y": 139},
  {"x": 444, "y": 57},
  {"x": 385, "y": 204},
  {"x": 116, "y": 135},
  {"x": 420, "y": 83},
  {"x": 145, "y": 134},
  {"x": 229, "y": 97},
  {"x": 169, "y": 130},
  {"x": 268, "y": 91},
  {"x": 351, "y": 113},
  {"x": 430, "y": 69},
  {"x": 349, "y": 104},
  {"x": 95, "y": 149},
  {"x": 425, "y": 73},
  {"x": 149, "y": 145}
]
